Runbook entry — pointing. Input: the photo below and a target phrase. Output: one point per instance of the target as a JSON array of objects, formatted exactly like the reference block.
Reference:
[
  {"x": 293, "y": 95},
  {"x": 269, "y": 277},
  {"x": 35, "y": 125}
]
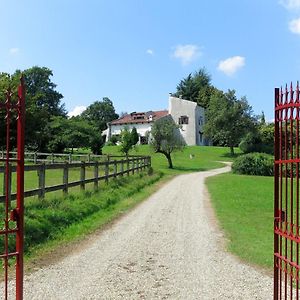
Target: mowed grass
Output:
[
  {"x": 203, "y": 158},
  {"x": 244, "y": 209},
  {"x": 191, "y": 159}
]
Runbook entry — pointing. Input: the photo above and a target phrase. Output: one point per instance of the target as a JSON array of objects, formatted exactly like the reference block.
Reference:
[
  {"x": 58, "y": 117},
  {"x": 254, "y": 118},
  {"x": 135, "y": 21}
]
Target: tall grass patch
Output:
[{"x": 48, "y": 218}]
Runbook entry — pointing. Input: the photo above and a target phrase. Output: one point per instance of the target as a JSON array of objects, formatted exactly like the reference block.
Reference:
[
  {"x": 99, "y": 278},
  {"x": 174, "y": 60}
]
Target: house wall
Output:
[
  {"x": 116, "y": 129},
  {"x": 191, "y": 131}
]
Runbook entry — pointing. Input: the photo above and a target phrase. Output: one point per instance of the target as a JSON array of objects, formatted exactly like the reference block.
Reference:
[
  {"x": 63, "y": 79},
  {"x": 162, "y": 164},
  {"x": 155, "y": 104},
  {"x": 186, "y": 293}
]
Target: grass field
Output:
[
  {"x": 244, "y": 208},
  {"x": 204, "y": 158}
]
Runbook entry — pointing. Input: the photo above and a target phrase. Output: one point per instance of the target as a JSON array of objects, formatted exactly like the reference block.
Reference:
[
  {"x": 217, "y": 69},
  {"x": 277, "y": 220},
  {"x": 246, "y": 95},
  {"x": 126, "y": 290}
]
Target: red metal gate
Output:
[
  {"x": 286, "y": 194},
  {"x": 12, "y": 214}
]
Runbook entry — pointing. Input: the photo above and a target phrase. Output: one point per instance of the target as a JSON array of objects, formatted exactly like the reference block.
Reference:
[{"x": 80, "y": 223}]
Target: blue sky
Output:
[{"x": 136, "y": 52}]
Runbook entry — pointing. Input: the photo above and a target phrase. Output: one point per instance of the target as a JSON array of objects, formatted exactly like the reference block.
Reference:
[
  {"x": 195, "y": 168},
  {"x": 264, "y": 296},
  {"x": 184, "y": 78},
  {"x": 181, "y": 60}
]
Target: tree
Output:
[
  {"x": 134, "y": 136},
  {"x": 100, "y": 113},
  {"x": 190, "y": 87},
  {"x": 166, "y": 138},
  {"x": 42, "y": 103},
  {"x": 228, "y": 119},
  {"x": 126, "y": 141},
  {"x": 97, "y": 141},
  {"x": 74, "y": 133}
]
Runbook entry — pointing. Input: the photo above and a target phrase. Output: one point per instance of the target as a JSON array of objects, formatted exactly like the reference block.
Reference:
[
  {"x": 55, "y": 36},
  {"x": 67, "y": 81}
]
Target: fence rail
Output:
[
  {"x": 102, "y": 170},
  {"x": 40, "y": 157}
]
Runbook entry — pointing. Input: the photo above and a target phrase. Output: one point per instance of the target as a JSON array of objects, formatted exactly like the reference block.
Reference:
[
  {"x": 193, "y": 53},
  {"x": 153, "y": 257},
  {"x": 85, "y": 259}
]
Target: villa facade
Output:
[{"x": 188, "y": 115}]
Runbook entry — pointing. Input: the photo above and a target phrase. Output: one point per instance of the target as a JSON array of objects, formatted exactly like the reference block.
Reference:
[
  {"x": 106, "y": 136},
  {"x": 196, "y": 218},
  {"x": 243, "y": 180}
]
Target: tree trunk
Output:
[
  {"x": 232, "y": 150},
  {"x": 168, "y": 156}
]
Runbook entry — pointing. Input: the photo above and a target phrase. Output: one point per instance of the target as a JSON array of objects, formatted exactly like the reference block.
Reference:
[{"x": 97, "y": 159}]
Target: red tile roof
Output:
[{"x": 140, "y": 117}]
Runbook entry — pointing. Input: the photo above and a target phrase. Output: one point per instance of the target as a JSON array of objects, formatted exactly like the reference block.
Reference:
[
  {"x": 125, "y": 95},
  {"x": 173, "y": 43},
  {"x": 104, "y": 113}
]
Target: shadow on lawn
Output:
[
  {"x": 229, "y": 155},
  {"x": 189, "y": 169}
]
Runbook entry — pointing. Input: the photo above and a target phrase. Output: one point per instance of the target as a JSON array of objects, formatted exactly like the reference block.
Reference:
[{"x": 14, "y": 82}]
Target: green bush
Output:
[{"x": 260, "y": 164}]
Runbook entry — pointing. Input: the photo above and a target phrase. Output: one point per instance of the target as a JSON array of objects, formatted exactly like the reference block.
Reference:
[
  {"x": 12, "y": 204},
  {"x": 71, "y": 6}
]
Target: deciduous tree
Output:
[
  {"x": 165, "y": 138},
  {"x": 229, "y": 119},
  {"x": 100, "y": 113}
]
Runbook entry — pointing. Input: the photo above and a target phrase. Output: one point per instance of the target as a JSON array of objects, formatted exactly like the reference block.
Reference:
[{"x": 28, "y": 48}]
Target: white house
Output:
[{"x": 187, "y": 114}]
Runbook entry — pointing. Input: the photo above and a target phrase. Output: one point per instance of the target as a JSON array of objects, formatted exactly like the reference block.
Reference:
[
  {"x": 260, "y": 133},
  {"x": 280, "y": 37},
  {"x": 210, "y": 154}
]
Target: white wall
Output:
[
  {"x": 190, "y": 132},
  {"x": 141, "y": 128}
]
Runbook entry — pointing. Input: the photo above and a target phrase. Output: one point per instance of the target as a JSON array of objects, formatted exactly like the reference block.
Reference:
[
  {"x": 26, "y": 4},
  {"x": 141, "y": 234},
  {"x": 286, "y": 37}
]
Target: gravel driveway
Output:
[{"x": 166, "y": 248}]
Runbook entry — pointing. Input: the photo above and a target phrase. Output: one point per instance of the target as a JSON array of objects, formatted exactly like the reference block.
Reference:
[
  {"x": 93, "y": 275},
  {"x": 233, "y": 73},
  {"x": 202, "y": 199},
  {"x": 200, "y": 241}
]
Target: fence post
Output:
[
  {"x": 34, "y": 158},
  {"x": 89, "y": 157},
  {"x": 66, "y": 178},
  {"x": 106, "y": 171},
  {"x": 122, "y": 167},
  {"x": 127, "y": 165},
  {"x": 52, "y": 158},
  {"x": 96, "y": 175},
  {"x": 82, "y": 175},
  {"x": 42, "y": 180},
  {"x": 115, "y": 169},
  {"x": 133, "y": 165}
]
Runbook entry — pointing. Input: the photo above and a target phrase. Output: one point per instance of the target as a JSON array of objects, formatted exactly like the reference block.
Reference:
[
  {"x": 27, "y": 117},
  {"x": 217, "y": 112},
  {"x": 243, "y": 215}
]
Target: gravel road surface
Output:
[{"x": 167, "y": 248}]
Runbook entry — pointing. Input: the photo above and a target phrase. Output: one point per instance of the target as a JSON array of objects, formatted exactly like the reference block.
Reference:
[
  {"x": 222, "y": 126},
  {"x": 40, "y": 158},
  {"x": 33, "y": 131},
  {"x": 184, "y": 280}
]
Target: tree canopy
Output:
[
  {"x": 228, "y": 119},
  {"x": 100, "y": 113},
  {"x": 190, "y": 87},
  {"x": 47, "y": 127},
  {"x": 42, "y": 103},
  {"x": 128, "y": 139}
]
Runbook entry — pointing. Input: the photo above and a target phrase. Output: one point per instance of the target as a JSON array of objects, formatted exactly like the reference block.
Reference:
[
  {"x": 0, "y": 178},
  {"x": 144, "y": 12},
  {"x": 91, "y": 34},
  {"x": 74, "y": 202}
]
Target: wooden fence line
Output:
[
  {"x": 118, "y": 167},
  {"x": 39, "y": 157}
]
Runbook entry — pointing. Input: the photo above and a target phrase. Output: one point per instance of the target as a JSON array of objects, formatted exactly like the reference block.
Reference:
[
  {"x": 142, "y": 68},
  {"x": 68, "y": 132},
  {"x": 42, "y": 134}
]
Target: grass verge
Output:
[{"x": 244, "y": 208}]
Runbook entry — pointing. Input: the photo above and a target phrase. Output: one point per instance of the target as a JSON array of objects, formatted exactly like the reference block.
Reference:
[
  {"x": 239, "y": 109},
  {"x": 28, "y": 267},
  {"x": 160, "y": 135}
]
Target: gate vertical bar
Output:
[
  {"x": 20, "y": 190},
  {"x": 6, "y": 221},
  {"x": 276, "y": 194}
]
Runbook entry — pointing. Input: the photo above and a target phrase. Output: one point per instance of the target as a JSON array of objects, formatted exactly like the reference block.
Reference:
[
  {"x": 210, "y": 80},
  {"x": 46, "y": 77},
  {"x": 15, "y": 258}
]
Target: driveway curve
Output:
[{"x": 166, "y": 248}]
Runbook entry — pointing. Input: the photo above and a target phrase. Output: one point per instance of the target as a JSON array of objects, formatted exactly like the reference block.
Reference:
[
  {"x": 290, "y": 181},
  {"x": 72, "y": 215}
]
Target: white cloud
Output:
[
  {"x": 187, "y": 53},
  {"x": 290, "y": 4},
  {"x": 14, "y": 51},
  {"x": 76, "y": 111},
  {"x": 294, "y": 26},
  {"x": 150, "y": 52},
  {"x": 231, "y": 65}
]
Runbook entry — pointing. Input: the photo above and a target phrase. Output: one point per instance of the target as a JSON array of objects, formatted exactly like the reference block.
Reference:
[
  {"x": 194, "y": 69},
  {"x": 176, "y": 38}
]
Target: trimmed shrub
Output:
[{"x": 260, "y": 164}]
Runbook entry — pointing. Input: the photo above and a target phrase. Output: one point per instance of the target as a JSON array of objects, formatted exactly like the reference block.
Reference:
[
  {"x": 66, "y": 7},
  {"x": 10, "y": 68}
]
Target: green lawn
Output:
[
  {"x": 244, "y": 208},
  {"x": 204, "y": 158}
]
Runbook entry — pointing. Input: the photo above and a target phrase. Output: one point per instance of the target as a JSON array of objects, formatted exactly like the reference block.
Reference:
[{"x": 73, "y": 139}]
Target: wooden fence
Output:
[
  {"x": 102, "y": 170},
  {"x": 39, "y": 157}
]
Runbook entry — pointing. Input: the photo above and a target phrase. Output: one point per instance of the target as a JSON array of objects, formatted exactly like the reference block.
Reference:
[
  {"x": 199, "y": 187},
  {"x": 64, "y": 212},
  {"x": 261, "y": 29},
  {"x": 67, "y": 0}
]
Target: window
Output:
[
  {"x": 183, "y": 120},
  {"x": 138, "y": 118},
  {"x": 201, "y": 137},
  {"x": 201, "y": 120}
]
